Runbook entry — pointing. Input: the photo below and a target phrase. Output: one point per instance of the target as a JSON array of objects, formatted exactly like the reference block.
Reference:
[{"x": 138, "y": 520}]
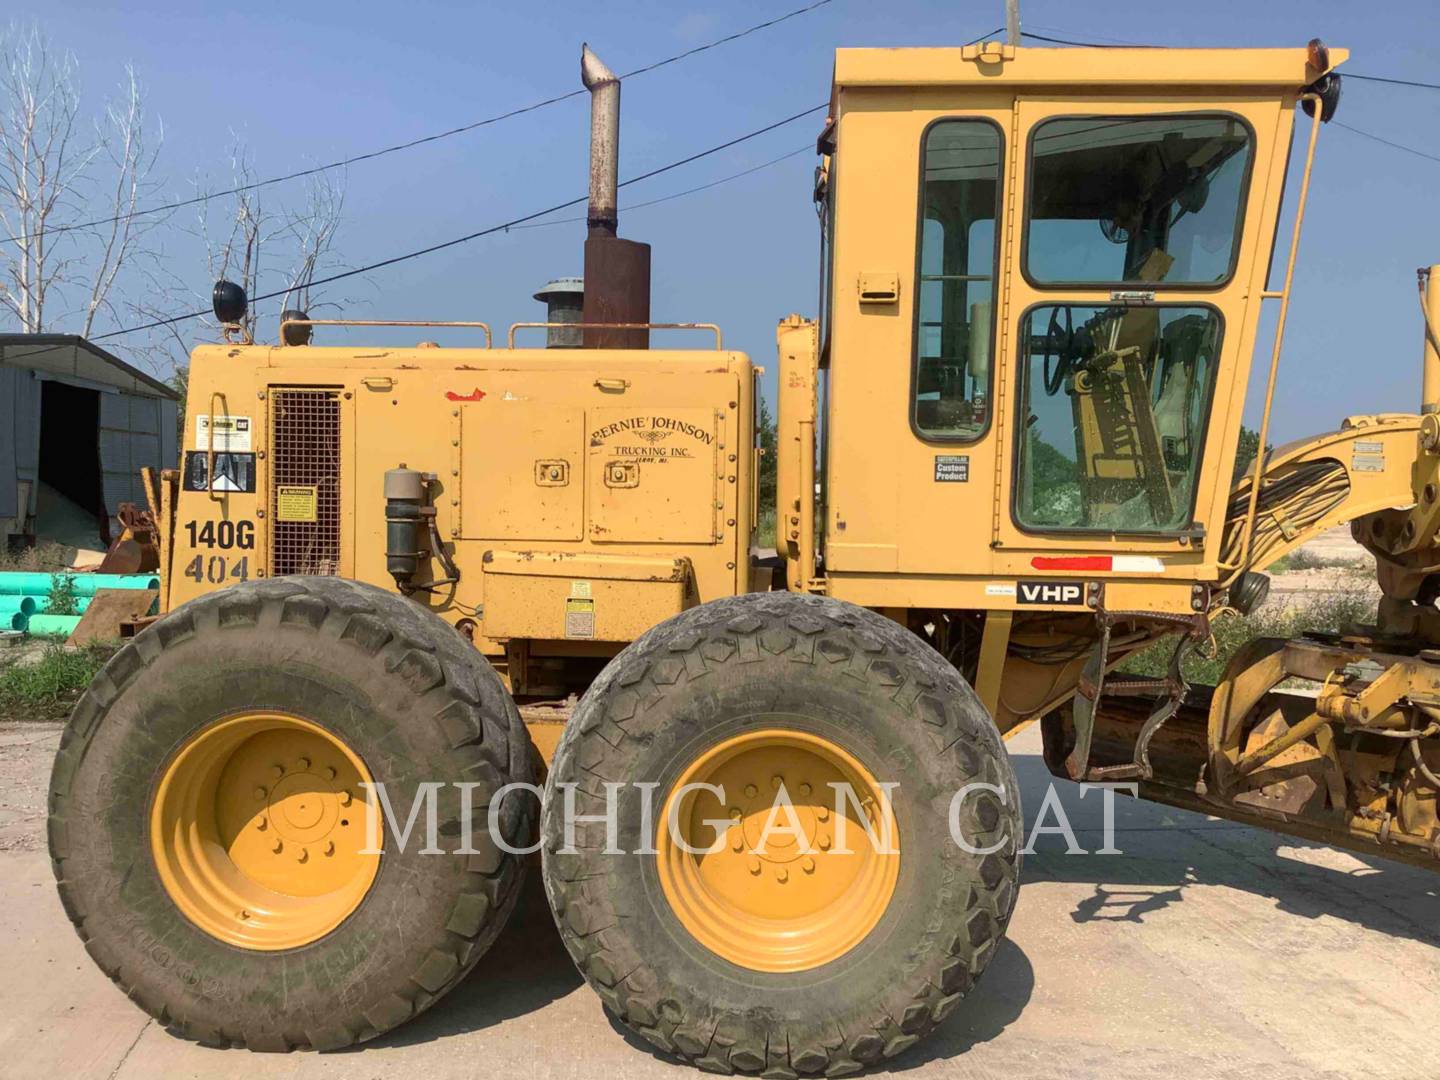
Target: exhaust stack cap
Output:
[
  {"x": 564, "y": 300},
  {"x": 604, "y": 87}
]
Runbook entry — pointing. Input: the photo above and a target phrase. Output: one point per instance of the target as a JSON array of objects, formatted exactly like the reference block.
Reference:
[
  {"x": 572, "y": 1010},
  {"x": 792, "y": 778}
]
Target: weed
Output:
[{"x": 62, "y": 600}]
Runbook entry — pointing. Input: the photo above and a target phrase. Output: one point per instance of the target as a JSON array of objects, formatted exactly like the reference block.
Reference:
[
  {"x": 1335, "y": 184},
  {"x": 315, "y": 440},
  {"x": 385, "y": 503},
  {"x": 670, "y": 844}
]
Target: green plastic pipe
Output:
[
  {"x": 18, "y": 621},
  {"x": 52, "y": 625},
  {"x": 25, "y": 584},
  {"x": 18, "y": 605}
]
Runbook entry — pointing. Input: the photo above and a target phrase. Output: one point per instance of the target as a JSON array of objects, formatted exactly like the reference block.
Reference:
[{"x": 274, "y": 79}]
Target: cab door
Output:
[{"x": 1131, "y": 309}]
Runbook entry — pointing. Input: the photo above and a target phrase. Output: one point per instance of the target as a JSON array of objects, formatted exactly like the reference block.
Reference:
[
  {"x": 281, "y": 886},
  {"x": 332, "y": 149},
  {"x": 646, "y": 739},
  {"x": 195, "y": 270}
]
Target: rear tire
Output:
[
  {"x": 872, "y": 693},
  {"x": 395, "y": 687}
]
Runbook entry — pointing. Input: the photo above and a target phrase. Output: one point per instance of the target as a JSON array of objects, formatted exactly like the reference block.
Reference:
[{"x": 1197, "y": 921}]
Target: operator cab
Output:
[{"x": 1078, "y": 241}]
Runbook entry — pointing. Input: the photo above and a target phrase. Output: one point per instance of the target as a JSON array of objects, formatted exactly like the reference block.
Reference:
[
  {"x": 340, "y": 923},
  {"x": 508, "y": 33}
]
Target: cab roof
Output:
[{"x": 991, "y": 62}]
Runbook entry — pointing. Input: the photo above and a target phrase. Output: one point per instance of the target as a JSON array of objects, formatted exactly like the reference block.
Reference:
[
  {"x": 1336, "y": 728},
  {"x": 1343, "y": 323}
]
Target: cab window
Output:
[
  {"x": 954, "y": 313},
  {"x": 1113, "y": 407},
  {"x": 1136, "y": 200}
]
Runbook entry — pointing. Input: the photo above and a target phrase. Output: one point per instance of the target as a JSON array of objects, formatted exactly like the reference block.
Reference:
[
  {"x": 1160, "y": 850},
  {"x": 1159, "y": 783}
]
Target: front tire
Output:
[
  {"x": 206, "y": 804},
  {"x": 750, "y": 962}
]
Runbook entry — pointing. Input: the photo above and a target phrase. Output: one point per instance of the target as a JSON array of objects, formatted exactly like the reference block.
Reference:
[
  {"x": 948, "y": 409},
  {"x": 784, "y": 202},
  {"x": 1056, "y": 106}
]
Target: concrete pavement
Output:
[{"x": 1206, "y": 949}]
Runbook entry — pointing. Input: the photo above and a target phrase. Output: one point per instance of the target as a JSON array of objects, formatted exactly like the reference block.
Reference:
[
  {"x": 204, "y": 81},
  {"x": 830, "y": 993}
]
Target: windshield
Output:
[{"x": 1153, "y": 200}]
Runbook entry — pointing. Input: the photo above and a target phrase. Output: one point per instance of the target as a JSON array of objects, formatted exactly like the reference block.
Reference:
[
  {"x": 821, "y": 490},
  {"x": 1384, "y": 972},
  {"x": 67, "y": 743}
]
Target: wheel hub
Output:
[
  {"x": 258, "y": 831},
  {"x": 797, "y": 862}
]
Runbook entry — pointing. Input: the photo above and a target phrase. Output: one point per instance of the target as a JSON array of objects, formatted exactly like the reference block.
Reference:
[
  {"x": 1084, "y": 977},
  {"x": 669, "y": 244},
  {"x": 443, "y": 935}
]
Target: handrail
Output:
[
  {"x": 384, "y": 322},
  {"x": 719, "y": 342},
  {"x": 1283, "y": 295}
]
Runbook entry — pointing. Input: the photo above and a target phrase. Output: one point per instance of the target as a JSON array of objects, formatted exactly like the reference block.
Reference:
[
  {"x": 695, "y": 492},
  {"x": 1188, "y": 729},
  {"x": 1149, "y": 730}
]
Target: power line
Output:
[
  {"x": 482, "y": 232},
  {"x": 1393, "y": 82},
  {"x": 424, "y": 139},
  {"x": 807, "y": 148},
  {"x": 1386, "y": 142}
]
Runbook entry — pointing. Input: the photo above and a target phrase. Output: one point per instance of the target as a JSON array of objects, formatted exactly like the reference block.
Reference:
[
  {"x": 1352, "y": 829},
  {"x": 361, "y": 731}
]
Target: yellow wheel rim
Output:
[
  {"x": 782, "y": 875},
  {"x": 258, "y": 828}
]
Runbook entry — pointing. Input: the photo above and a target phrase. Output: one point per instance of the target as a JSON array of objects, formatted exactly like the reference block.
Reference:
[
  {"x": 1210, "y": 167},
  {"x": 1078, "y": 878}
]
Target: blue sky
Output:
[{"x": 305, "y": 83}]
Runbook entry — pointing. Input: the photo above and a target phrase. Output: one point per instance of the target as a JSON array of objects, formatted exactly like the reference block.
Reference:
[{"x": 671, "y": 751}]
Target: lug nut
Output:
[
  {"x": 824, "y": 843},
  {"x": 304, "y": 856},
  {"x": 782, "y": 875},
  {"x": 777, "y": 781},
  {"x": 345, "y": 798},
  {"x": 805, "y": 789},
  {"x": 809, "y": 865},
  {"x": 302, "y": 763},
  {"x": 330, "y": 848},
  {"x": 738, "y": 843},
  {"x": 751, "y": 791},
  {"x": 823, "y": 813},
  {"x": 263, "y": 823},
  {"x": 279, "y": 847},
  {"x": 260, "y": 793},
  {"x": 329, "y": 772},
  {"x": 277, "y": 771},
  {"x": 754, "y": 865},
  {"x": 734, "y": 813}
]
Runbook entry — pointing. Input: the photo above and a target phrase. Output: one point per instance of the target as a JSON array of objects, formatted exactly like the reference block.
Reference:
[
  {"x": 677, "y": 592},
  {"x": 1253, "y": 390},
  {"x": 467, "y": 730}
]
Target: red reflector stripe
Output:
[{"x": 1072, "y": 562}]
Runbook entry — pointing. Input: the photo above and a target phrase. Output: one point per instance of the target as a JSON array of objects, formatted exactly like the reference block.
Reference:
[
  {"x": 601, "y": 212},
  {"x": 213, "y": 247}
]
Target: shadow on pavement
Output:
[{"x": 1167, "y": 852}]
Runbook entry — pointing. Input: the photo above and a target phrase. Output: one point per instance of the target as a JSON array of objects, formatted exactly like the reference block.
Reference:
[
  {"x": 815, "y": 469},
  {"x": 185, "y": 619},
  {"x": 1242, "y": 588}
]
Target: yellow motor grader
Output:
[{"x": 1005, "y": 452}]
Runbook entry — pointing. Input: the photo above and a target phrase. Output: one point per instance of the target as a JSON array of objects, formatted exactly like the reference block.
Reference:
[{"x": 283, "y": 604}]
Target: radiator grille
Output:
[{"x": 305, "y": 458}]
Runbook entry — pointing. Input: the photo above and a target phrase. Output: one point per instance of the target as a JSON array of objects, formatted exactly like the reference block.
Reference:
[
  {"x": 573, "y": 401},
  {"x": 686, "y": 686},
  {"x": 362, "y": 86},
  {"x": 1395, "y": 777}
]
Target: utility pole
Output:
[{"x": 1012, "y": 22}]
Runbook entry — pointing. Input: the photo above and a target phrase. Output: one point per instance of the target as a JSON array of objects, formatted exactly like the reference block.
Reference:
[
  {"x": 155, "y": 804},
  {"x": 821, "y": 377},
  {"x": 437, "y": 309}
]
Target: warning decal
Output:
[
  {"x": 297, "y": 503},
  {"x": 579, "y": 617}
]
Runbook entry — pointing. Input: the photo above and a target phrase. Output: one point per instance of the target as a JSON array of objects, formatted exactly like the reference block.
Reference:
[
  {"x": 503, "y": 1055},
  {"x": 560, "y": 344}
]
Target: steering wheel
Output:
[{"x": 1059, "y": 349}]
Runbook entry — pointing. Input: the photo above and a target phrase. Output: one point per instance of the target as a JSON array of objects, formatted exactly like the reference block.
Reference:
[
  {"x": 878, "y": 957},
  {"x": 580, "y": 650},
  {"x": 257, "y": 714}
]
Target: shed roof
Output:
[{"x": 72, "y": 354}]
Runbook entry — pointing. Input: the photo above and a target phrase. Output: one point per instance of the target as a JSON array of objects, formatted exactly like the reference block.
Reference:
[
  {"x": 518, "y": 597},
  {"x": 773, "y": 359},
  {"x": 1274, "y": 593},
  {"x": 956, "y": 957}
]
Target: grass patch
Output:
[
  {"x": 40, "y": 559},
  {"x": 45, "y": 689},
  {"x": 1323, "y": 613}
]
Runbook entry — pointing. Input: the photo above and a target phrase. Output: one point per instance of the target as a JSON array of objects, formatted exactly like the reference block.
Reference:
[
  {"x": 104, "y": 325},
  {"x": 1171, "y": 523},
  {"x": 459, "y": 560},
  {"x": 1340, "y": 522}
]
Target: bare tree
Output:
[
  {"x": 63, "y": 251},
  {"x": 130, "y": 156},
  {"x": 267, "y": 249}
]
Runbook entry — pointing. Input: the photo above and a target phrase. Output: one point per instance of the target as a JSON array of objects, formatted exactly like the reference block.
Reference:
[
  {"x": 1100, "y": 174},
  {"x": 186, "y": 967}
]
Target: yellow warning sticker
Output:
[
  {"x": 579, "y": 617},
  {"x": 297, "y": 503}
]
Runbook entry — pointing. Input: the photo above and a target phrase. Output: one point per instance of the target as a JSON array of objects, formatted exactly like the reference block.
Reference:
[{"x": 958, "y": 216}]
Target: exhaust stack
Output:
[
  {"x": 604, "y": 89},
  {"x": 617, "y": 272}
]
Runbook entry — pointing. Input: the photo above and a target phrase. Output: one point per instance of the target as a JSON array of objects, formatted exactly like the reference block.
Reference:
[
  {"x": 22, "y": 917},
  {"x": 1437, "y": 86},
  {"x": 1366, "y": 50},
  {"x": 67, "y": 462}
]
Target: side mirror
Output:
[{"x": 229, "y": 302}]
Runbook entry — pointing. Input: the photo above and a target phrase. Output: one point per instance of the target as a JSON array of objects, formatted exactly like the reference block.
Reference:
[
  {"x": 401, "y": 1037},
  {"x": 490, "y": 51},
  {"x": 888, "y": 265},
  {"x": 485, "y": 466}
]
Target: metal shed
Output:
[{"x": 80, "y": 421}]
